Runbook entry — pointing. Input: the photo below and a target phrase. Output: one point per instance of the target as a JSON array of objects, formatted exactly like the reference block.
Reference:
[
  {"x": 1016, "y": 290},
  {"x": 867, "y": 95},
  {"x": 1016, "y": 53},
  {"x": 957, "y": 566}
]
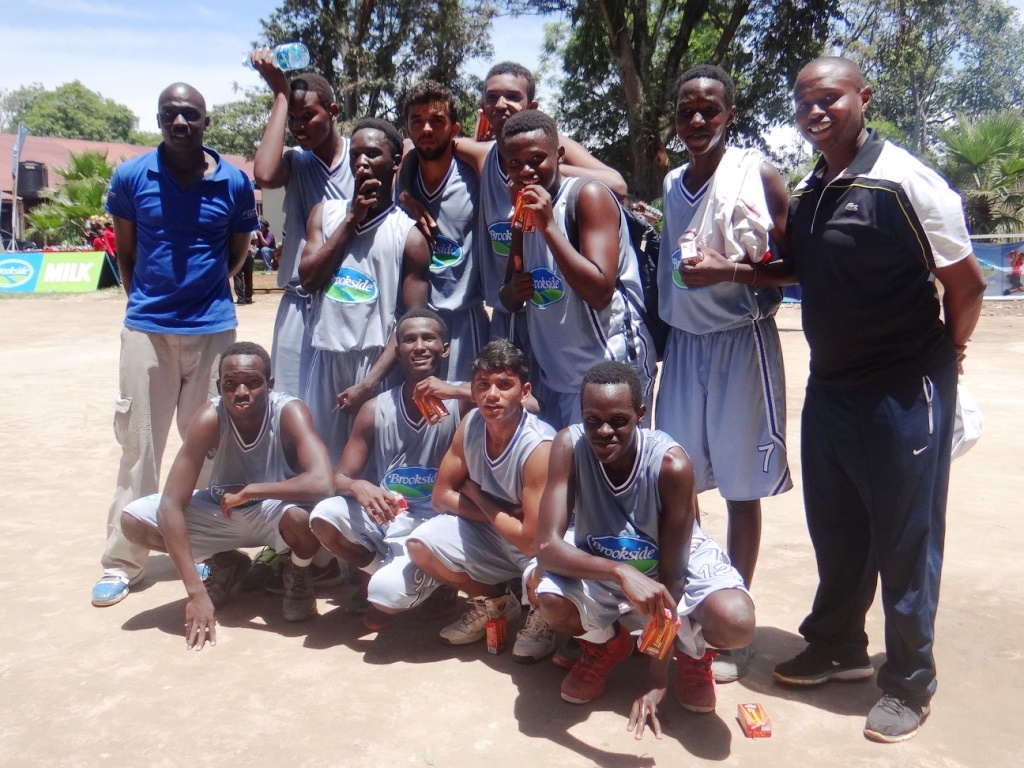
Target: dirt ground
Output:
[{"x": 85, "y": 686}]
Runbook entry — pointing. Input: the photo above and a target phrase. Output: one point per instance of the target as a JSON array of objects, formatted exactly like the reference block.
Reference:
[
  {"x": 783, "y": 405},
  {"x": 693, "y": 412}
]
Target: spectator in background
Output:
[{"x": 266, "y": 243}]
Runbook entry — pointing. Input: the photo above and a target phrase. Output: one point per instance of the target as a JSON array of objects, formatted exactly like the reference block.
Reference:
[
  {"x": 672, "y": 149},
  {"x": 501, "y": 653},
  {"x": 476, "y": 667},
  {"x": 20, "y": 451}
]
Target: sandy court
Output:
[{"x": 85, "y": 686}]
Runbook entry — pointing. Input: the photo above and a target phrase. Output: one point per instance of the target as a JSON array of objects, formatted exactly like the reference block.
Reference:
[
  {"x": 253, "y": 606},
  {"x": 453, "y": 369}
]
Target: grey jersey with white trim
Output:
[
  {"x": 621, "y": 522},
  {"x": 407, "y": 451},
  {"x": 496, "y": 230},
  {"x": 311, "y": 182},
  {"x": 718, "y": 307},
  {"x": 454, "y": 272},
  {"x": 567, "y": 335},
  {"x": 262, "y": 461},
  {"x": 357, "y": 309},
  {"x": 502, "y": 477}
]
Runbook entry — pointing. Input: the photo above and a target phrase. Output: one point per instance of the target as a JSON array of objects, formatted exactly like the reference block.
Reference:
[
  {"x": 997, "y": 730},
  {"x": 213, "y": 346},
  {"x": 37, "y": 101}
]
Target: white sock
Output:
[
  {"x": 599, "y": 636},
  {"x": 373, "y": 566},
  {"x": 300, "y": 561}
]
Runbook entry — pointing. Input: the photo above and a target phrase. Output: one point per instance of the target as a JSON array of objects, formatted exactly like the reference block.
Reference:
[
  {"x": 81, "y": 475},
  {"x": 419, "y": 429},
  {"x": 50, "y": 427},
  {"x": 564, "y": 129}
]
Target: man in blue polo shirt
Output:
[{"x": 183, "y": 219}]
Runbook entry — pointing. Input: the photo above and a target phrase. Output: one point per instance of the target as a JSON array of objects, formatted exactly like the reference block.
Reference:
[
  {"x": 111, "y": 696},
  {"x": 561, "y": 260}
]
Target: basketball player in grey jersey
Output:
[
  {"x": 488, "y": 488},
  {"x": 367, "y": 262},
  {"x": 580, "y": 296},
  {"x": 316, "y": 170},
  {"x": 436, "y": 187},
  {"x": 398, "y": 452},
  {"x": 268, "y": 464},
  {"x": 635, "y": 547}
]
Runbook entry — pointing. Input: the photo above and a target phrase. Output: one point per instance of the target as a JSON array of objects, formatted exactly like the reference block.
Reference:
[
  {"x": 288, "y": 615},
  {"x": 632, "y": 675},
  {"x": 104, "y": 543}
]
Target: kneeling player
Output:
[
  {"x": 365, "y": 524},
  {"x": 637, "y": 547},
  {"x": 489, "y": 487},
  {"x": 267, "y": 460}
]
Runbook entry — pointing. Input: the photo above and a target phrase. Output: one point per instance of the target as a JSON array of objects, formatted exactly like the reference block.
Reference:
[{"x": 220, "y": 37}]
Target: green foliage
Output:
[
  {"x": 984, "y": 160},
  {"x": 14, "y": 104},
  {"x": 621, "y": 59},
  {"x": 72, "y": 111},
  {"x": 236, "y": 127},
  {"x": 62, "y": 218},
  {"x": 372, "y": 51},
  {"x": 928, "y": 59}
]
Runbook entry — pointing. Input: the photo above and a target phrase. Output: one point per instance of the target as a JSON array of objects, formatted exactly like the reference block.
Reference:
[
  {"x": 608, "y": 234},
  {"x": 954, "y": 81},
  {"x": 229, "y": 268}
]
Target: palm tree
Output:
[
  {"x": 984, "y": 159},
  {"x": 62, "y": 218}
]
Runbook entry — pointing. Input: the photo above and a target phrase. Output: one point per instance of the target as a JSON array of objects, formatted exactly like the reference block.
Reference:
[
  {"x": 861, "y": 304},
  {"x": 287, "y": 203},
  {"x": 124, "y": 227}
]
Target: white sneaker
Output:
[
  {"x": 535, "y": 641},
  {"x": 730, "y": 666},
  {"x": 471, "y": 626}
]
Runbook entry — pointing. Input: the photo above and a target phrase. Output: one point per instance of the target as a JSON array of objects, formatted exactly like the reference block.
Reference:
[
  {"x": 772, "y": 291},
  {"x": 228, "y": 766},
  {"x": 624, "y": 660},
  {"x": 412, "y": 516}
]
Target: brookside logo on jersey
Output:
[
  {"x": 446, "y": 254},
  {"x": 414, "y": 483},
  {"x": 547, "y": 287},
  {"x": 501, "y": 239},
  {"x": 350, "y": 286},
  {"x": 640, "y": 552}
]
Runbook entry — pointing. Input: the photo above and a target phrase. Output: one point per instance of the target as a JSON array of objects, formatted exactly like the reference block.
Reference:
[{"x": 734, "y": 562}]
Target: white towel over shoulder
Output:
[{"x": 733, "y": 217}]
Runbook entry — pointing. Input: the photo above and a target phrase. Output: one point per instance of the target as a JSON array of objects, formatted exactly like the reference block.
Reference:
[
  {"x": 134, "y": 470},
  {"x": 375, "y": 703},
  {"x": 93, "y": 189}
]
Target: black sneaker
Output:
[
  {"x": 299, "y": 601},
  {"x": 323, "y": 576},
  {"x": 227, "y": 569},
  {"x": 892, "y": 720},
  {"x": 815, "y": 665}
]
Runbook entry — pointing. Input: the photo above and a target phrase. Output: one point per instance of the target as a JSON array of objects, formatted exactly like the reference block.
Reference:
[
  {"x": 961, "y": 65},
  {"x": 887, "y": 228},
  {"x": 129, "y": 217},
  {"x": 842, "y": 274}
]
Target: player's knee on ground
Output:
[
  {"x": 295, "y": 530},
  {"x": 140, "y": 533},
  {"x": 727, "y": 619},
  {"x": 559, "y": 613}
]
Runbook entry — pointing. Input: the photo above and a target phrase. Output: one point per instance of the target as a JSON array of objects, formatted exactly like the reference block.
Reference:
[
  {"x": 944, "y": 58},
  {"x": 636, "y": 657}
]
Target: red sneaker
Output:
[
  {"x": 589, "y": 676},
  {"x": 694, "y": 685},
  {"x": 374, "y": 619}
]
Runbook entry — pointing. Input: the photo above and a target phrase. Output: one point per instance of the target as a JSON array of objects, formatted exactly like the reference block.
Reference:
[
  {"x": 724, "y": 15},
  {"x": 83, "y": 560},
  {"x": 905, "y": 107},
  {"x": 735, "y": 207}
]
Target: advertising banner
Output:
[
  {"x": 1001, "y": 265},
  {"x": 50, "y": 271}
]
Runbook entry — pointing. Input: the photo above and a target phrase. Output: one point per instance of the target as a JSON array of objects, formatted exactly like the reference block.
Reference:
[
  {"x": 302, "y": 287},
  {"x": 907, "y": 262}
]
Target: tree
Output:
[
  {"x": 237, "y": 127},
  {"x": 929, "y": 59},
  {"x": 371, "y": 51},
  {"x": 72, "y": 111},
  {"x": 984, "y": 160},
  {"x": 62, "y": 218},
  {"x": 621, "y": 59},
  {"x": 14, "y": 104}
]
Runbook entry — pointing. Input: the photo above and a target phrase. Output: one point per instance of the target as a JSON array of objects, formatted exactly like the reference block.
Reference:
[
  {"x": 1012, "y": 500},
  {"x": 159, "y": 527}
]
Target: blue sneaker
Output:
[
  {"x": 203, "y": 569},
  {"x": 110, "y": 589}
]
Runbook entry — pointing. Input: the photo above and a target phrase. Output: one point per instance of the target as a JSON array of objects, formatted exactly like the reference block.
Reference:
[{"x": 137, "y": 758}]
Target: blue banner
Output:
[{"x": 1001, "y": 265}]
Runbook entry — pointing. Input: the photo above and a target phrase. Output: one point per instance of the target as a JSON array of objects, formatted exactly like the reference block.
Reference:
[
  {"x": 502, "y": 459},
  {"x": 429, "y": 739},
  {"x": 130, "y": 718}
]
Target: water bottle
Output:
[{"x": 288, "y": 56}]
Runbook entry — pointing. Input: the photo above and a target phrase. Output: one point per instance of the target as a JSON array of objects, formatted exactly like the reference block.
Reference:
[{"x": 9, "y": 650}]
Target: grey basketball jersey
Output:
[
  {"x": 496, "y": 214},
  {"x": 567, "y": 335},
  {"x": 502, "y": 476},
  {"x": 263, "y": 461},
  {"x": 311, "y": 182},
  {"x": 714, "y": 308},
  {"x": 407, "y": 451},
  {"x": 454, "y": 274},
  {"x": 620, "y": 522},
  {"x": 357, "y": 309}
]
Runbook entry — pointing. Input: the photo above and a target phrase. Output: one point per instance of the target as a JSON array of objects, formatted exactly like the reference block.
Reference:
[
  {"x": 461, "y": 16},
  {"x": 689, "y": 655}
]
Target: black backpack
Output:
[{"x": 645, "y": 242}]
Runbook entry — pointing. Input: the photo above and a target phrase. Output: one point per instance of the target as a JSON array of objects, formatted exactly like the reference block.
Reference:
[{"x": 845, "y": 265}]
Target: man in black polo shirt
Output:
[{"x": 867, "y": 229}]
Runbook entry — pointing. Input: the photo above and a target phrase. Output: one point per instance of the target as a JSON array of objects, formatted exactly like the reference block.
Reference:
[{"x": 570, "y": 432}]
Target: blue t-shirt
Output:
[{"x": 180, "y": 281}]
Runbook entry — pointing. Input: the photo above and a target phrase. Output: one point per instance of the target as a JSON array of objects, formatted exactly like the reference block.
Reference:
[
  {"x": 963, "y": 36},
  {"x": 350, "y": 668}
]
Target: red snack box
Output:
[
  {"x": 497, "y": 634},
  {"x": 483, "y": 127},
  {"x": 754, "y": 721},
  {"x": 522, "y": 217},
  {"x": 403, "y": 505},
  {"x": 659, "y": 634},
  {"x": 432, "y": 408}
]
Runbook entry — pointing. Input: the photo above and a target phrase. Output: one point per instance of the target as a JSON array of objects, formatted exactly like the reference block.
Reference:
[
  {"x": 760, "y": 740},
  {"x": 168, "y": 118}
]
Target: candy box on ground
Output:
[
  {"x": 754, "y": 721},
  {"x": 497, "y": 632}
]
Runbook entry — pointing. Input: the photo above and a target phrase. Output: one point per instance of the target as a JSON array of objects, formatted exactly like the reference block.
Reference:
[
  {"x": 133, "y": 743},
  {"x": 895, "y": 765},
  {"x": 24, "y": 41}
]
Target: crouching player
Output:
[
  {"x": 267, "y": 461},
  {"x": 636, "y": 546},
  {"x": 489, "y": 488},
  {"x": 393, "y": 445}
]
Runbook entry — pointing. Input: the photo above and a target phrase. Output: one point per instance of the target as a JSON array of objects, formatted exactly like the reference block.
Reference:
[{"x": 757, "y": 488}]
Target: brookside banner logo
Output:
[
  {"x": 350, "y": 286},
  {"x": 447, "y": 254},
  {"x": 15, "y": 273},
  {"x": 501, "y": 239},
  {"x": 640, "y": 552},
  {"x": 547, "y": 287},
  {"x": 415, "y": 483}
]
